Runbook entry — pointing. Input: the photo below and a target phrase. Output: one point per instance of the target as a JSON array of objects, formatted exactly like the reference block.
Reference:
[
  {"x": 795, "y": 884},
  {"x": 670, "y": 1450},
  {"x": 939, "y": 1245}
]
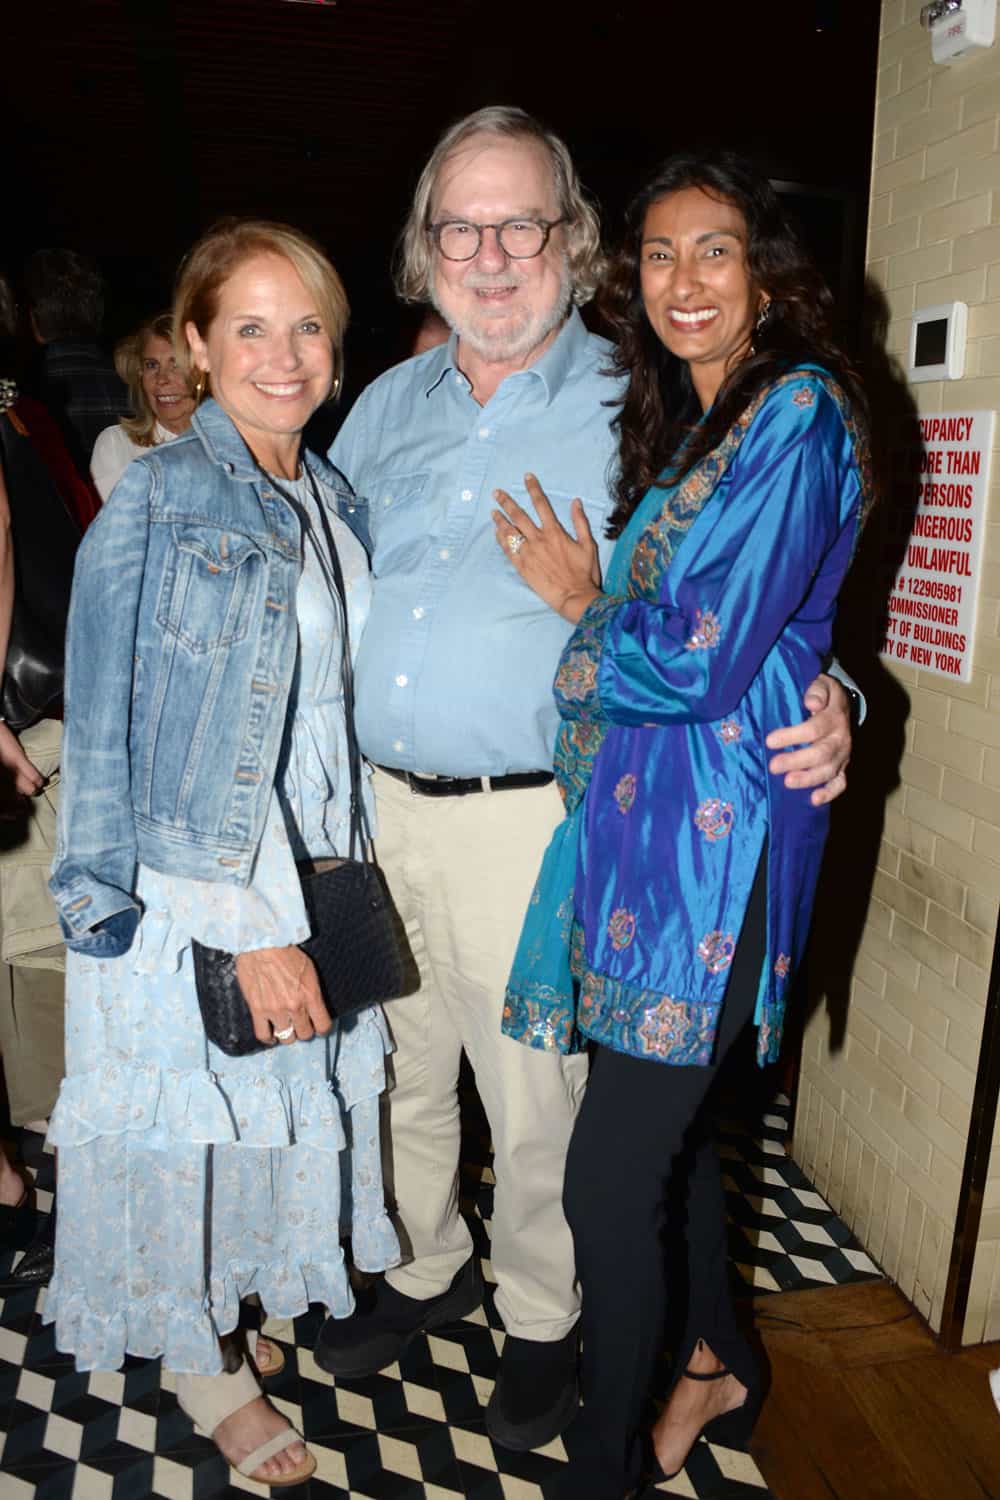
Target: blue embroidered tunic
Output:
[
  {"x": 717, "y": 615},
  {"x": 188, "y": 1178}
]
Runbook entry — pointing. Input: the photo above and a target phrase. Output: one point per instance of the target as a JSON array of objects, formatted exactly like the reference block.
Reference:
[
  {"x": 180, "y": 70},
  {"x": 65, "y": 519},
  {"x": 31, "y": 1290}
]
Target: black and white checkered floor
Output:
[{"x": 414, "y": 1432}]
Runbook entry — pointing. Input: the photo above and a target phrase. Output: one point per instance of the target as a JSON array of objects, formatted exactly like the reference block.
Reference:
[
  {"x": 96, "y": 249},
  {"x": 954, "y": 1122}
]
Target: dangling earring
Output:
[
  {"x": 200, "y": 386},
  {"x": 763, "y": 313}
]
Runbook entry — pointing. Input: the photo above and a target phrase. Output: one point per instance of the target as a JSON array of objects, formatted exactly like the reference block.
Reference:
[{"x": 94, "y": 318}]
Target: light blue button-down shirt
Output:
[{"x": 455, "y": 669}]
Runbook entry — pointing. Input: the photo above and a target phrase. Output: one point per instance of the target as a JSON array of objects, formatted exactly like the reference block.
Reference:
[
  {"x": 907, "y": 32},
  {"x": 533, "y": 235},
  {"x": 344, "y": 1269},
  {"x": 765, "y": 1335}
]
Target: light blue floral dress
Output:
[{"x": 187, "y": 1178}]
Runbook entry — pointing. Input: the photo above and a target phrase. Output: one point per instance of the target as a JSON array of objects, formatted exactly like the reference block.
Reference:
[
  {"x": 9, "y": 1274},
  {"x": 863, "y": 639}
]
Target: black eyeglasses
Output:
[{"x": 520, "y": 239}]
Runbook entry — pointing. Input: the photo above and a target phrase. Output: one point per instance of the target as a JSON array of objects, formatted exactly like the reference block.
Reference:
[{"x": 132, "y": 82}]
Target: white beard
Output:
[{"x": 516, "y": 333}]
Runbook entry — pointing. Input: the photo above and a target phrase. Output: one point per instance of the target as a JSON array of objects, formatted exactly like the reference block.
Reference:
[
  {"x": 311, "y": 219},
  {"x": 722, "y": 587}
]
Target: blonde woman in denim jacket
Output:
[{"x": 205, "y": 756}]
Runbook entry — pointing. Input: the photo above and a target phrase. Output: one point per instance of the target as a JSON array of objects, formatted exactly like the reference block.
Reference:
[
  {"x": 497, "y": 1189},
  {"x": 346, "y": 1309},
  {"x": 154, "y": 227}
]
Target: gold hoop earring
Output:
[{"x": 200, "y": 386}]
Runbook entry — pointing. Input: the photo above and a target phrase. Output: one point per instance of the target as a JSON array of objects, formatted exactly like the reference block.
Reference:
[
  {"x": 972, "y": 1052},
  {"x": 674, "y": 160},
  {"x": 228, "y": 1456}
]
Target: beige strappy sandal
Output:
[
  {"x": 209, "y": 1399},
  {"x": 267, "y": 1356}
]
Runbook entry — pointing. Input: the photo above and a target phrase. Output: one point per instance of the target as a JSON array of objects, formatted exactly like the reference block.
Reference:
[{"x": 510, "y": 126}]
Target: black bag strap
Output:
[{"x": 360, "y": 829}]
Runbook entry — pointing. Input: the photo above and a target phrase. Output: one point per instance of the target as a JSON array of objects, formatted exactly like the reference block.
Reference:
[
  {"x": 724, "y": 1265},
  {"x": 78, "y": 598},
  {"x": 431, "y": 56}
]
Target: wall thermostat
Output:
[{"x": 937, "y": 342}]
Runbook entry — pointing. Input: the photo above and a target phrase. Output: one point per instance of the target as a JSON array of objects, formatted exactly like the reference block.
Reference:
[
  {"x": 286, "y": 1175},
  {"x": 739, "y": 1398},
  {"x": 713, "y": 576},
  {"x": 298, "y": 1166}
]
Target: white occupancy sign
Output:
[{"x": 932, "y": 608}]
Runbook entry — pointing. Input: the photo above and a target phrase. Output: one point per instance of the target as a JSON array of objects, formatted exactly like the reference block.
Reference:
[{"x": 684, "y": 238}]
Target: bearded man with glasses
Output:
[{"x": 455, "y": 710}]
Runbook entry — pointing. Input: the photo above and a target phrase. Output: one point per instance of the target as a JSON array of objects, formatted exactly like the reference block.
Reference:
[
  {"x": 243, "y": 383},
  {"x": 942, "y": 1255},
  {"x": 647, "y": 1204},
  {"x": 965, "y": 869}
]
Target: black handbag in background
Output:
[
  {"x": 44, "y": 539},
  {"x": 353, "y": 946}
]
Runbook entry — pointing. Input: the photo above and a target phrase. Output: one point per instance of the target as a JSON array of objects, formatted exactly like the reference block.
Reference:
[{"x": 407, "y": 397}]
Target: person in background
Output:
[
  {"x": 205, "y": 766},
  {"x": 455, "y": 709},
  {"x": 44, "y": 507},
  {"x": 79, "y": 384},
  {"x": 432, "y": 330},
  {"x": 674, "y": 900},
  {"x": 161, "y": 397}
]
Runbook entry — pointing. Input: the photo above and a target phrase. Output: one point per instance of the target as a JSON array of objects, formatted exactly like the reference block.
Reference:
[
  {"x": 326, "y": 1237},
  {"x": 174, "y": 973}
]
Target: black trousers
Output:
[{"x": 644, "y": 1198}]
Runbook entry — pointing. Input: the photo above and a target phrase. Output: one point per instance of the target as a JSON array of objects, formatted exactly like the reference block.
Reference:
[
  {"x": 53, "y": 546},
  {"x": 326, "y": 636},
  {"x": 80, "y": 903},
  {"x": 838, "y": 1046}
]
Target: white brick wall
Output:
[{"x": 882, "y": 1123}]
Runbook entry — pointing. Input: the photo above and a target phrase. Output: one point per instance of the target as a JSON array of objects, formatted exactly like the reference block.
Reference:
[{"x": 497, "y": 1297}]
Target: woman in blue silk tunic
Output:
[{"x": 674, "y": 901}]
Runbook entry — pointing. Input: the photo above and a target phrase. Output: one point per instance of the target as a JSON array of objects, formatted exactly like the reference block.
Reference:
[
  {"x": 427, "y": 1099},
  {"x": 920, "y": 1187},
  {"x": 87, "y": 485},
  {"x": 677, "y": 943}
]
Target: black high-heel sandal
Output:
[{"x": 731, "y": 1429}]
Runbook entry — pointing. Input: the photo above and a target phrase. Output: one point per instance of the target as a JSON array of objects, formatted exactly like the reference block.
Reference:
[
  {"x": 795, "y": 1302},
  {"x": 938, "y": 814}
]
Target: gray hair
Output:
[{"x": 414, "y": 258}]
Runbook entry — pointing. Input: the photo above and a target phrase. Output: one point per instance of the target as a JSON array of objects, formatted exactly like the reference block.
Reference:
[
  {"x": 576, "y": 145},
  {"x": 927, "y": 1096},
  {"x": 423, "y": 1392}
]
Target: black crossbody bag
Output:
[{"x": 353, "y": 946}]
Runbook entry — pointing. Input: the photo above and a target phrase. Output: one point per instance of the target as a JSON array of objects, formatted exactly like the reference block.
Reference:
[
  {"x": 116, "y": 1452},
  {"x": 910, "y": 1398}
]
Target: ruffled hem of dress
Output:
[
  {"x": 195, "y": 1106},
  {"x": 363, "y": 1046},
  {"x": 150, "y": 1327},
  {"x": 285, "y": 1290},
  {"x": 100, "y": 1337}
]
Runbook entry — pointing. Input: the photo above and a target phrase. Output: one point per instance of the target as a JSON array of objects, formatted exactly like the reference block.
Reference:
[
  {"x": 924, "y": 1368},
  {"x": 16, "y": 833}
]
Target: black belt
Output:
[{"x": 461, "y": 786}]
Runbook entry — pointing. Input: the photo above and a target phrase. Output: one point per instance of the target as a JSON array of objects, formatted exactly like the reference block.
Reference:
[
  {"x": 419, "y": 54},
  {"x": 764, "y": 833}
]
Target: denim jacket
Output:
[{"x": 180, "y": 652}]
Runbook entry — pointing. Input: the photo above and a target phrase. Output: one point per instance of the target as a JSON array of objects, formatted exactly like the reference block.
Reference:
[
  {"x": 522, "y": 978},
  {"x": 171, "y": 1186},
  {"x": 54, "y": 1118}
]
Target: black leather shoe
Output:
[
  {"x": 536, "y": 1395},
  {"x": 376, "y": 1335},
  {"x": 35, "y": 1267}
]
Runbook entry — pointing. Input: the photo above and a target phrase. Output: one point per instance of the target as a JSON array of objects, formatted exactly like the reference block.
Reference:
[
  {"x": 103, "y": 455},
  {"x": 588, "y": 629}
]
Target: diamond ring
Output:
[
  {"x": 515, "y": 541},
  {"x": 284, "y": 1033}
]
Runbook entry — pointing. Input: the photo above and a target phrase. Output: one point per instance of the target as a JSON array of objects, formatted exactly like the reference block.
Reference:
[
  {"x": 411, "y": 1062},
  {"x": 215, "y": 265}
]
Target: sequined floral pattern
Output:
[
  {"x": 805, "y": 397},
  {"x": 714, "y": 818},
  {"x": 621, "y": 927},
  {"x": 782, "y": 965},
  {"x": 664, "y": 1026},
  {"x": 577, "y": 676},
  {"x": 537, "y": 1019},
  {"x": 716, "y": 951},
  {"x": 644, "y": 1023},
  {"x": 730, "y": 731},
  {"x": 707, "y": 631},
  {"x": 625, "y": 793}
]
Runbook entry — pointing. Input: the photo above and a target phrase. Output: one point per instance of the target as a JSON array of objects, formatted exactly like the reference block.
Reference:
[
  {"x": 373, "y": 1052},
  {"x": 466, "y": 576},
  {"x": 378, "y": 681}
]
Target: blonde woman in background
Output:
[{"x": 161, "y": 398}]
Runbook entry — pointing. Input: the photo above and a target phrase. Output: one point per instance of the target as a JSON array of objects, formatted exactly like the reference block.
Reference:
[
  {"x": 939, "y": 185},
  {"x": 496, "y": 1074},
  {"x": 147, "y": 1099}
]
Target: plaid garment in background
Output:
[{"x": 83, "y": 393}]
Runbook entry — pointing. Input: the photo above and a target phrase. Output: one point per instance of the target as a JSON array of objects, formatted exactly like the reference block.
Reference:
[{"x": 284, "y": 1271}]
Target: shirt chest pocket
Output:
[
  {"x": 399, "y": 520},
  {"x": 209, "y": 587}
]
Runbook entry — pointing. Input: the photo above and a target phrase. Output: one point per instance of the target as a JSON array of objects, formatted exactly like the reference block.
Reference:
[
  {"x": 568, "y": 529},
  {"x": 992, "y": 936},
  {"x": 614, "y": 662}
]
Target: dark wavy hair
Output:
[
  {"x": 659, "y": 425},
  {"x": 66, "y": 294}
]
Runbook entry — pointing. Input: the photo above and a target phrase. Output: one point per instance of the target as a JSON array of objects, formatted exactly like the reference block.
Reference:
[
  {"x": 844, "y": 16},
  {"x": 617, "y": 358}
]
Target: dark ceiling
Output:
[{"x": 137, "y": 122}]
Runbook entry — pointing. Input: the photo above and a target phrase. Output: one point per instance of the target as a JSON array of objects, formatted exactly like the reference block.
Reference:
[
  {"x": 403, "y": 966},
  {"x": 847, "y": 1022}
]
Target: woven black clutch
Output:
[
  {"x": 353, "y": 947},
  {"x": 354, "y": 943}
]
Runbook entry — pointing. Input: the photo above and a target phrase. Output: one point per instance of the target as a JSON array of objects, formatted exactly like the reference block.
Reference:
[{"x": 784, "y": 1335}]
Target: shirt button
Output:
[
  {"x": 402, "y": 680},
  {"x": 466, "y": 494},
  {"x": 484, "y": 432},
  {"x": 444, "y": 554},
  {"x": 386, "y": 499},
  {"x": 397, "y": 744},
  {"x": 418, "y": 613}
]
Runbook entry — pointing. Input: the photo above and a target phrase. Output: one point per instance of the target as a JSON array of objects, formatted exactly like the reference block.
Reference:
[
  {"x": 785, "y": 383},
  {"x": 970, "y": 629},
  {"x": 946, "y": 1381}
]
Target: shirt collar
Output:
[
  {"x": 224, "y": 446},
  {"x": 552, "y": 369}
]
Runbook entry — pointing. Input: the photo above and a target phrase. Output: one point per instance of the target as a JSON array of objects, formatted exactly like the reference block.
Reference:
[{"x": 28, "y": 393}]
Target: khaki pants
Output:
[
  {"x": 461, "y": 871},
  {"x": 32, "y": 956}
]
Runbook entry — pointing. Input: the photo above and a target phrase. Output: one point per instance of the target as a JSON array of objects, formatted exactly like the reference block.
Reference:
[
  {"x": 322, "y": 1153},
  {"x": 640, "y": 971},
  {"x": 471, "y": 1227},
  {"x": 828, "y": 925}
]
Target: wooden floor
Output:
[{"x": 865, "y": 1406}]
